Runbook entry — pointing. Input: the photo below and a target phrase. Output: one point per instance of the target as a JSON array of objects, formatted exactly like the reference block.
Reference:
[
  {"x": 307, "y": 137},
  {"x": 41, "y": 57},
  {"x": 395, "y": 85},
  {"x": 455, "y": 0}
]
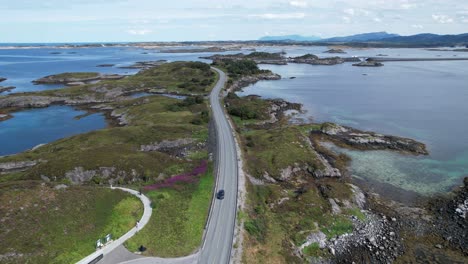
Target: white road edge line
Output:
[{"x": 142, "y": 223}]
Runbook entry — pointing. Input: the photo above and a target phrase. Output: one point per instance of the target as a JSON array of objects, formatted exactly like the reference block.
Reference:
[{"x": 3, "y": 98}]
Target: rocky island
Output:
[
  {"x": 280, "y": 59},
  {"x": 335, "y": 51},
  {"x": 144, "y": 64},
  {"x": 195, "y": 50},
  {"x": 105, "y": 65},
  {"x": 6, "y": 89},
  {"x": 77, "y": 78},
  {"x": 2, "y": 79},
  {"x": 369, "y": 63}
]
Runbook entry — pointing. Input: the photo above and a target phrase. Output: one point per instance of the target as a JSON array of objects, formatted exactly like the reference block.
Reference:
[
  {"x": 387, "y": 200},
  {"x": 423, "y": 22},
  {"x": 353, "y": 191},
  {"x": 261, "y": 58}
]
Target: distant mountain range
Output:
[
  {"x": 374, "y": 36},
  {"x": 381, "y": 39},
  {"x": 289, "y": 38}
]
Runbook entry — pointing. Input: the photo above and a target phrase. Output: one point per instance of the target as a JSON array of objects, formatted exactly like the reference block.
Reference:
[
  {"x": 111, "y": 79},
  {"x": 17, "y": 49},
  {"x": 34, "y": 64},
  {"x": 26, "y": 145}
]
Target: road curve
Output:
[
  {"x": 218, "y": 237},
  {"x": 217, "y": 245},
  {"x": 143, "y": 221}
]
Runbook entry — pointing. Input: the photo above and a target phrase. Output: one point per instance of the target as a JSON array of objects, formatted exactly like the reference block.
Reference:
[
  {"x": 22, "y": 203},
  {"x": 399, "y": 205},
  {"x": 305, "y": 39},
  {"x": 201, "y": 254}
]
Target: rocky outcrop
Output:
[
  {"x": 317, "y": 237},
  {"x": 314, "y": 60},
  {"x": 248, "y": 80},
  {"x": 166, "y": 145},
  {"x": 79, "y": 175},
  {"x": 451, "y": 218},
  {"x": 4, "y": 117},
  {"x": 144, "y": 64},
  {"x": 6, "y": 89},
  {"x": 277, "y": 110},
  {"x": 15, "y": 166},
  {"x": 180, "y": 148},
  {"x": 64, "y": 78},
  {"x": 375, "y": 240},
  {"x": 2, "y": 79},
  {"x": 370, "y": 140},
  {"x": 326, "y": 169},
  {"x": 198, "y": 50},
  {"x": 369, "y": 63},
  {"x": 105, "y": 65},
  {"x": 287, "y": 173},
  {"x": 335, "y": 51},
  {"x": 121, "y": 117},
  {"x": 73, "y": 79}
]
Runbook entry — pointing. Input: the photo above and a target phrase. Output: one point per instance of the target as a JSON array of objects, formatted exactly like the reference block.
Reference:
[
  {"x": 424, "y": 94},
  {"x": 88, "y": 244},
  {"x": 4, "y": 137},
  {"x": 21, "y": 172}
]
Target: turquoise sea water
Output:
[{"x": 425, "y": 101}]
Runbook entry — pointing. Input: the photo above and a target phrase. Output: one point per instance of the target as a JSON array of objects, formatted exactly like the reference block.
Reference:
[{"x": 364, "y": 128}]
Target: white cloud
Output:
[
  {"x": 407, "y": 6},
  {"x": 302, "y": 4},
  {"x": 356, "y": 12},
  {"x": 281, "y": 16},
  {"x": 377, "y": 19},
  {"x": 417, "y": 26},
  {"x": 443, "y": 19},
  {"x": 139, "y": 32},
  {"x": 346, "y": 19},
  {"x": 349, "y": 11}
]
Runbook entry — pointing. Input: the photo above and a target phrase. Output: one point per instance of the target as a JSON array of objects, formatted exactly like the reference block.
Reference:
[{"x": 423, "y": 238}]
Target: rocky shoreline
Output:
[
  {"x": 143, "y": 65},
  {"x": 245, "y": 81},
  {"x": 197, "y": 50},
  {"x": 429, "y": 229},
  {"x": 357, "y": 139},
  {"x": 279, "y": 59},
  {"x": 73, "y": 79},
  {"x": 369, "y": 63},
  {"x": 6, "y": 89}
]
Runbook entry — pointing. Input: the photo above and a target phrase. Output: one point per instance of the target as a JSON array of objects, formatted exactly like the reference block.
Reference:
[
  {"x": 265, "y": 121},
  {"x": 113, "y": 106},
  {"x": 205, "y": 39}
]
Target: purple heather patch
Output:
[{"x": 181, "y": 178}]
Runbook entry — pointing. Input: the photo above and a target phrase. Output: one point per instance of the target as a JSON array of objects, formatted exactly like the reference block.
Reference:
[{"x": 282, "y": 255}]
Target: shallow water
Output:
[
  {"x": 425, "y": 101},
  {"x": 30, "y": 128}
]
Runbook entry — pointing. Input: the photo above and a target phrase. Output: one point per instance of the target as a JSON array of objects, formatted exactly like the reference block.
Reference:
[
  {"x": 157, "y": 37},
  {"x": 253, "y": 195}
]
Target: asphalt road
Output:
[{"x": 217, "y": 245}]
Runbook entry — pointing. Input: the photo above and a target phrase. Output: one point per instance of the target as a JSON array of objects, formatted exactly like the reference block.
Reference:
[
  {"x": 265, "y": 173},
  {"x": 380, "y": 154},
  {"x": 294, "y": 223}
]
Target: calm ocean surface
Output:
[
  {"x": 425, "y": 101},
  {"x": 30, "y": 128},
  {"x": 21, "y": 66},
  {"x": 421, "y": 100}
]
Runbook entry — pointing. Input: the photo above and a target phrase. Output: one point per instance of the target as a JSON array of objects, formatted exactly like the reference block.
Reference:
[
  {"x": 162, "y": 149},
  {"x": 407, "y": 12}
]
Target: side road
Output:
[{"x": 115, "y": 244}]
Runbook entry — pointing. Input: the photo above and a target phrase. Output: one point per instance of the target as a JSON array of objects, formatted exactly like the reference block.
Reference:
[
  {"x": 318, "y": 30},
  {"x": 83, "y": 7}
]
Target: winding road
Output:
[
  {"x": 218, "y": 238},
  {"x": 217, "y": 244}
]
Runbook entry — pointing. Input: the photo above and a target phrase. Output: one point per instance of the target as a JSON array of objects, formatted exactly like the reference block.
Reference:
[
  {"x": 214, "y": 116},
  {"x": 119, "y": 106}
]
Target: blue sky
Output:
[{"x": 179, "y": 20}]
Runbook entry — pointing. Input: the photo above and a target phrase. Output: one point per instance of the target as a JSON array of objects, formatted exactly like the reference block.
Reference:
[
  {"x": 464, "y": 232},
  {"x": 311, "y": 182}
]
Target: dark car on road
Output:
[{"x": 220, "y": 195}]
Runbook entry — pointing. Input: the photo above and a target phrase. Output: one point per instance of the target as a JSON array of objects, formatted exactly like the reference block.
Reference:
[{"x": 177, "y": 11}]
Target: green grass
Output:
[
  {"x": 276, "y": 149},
  {"x": 357, "y": 213},
  {"x": 175, "y": 77},
  {"x": 61, "y": 226},
  {"x": 339, "y": 225},
  {"x": 312, "y": 250},
  {"x": 178, "y": 220},
  {"x": 118, "y": 147},
  {"x": 181, "y": 211},
  {"x": 77, "y": 75}
]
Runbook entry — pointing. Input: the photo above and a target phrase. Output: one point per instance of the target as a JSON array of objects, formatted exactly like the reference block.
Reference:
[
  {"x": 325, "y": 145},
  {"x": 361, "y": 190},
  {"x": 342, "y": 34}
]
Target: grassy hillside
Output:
[
  {"x": 87, "y": 209},
  {"x": 41, "y": 224}
]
